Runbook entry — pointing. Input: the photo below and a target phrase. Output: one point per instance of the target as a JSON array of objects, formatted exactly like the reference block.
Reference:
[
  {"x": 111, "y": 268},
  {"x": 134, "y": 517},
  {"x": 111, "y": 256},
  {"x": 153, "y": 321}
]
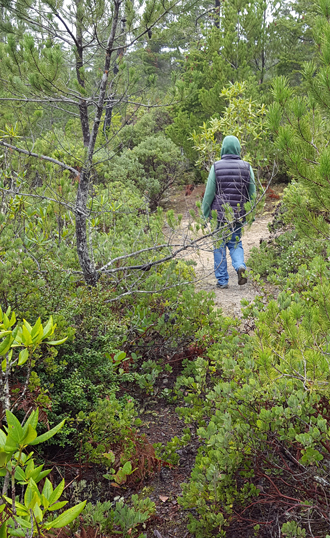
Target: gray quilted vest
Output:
[{"x": 232, "y": 186}]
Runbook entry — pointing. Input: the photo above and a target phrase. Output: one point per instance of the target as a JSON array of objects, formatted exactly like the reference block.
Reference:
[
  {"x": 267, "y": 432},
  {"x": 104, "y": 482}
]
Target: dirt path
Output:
[
  {"x": 227, "y": 299},
  {"x": 230, "y": 299}
]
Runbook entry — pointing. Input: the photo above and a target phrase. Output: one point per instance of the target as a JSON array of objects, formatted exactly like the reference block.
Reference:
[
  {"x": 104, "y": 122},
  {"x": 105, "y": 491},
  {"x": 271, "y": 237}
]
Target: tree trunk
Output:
[
  {"x": 217, "y": 14},
  {"x": 83, "y": 110},
  {"x": 86, "y": 263}
]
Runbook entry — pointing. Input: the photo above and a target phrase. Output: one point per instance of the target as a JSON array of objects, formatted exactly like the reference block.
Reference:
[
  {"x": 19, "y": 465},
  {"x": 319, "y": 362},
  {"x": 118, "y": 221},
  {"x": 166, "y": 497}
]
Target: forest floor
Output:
[{"x": 161, "y": 423}]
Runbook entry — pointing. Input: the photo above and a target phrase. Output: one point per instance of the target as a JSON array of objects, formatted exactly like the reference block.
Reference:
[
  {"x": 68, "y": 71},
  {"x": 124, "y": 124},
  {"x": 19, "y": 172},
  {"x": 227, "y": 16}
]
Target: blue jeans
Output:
[{"x": 236, "y": 252}]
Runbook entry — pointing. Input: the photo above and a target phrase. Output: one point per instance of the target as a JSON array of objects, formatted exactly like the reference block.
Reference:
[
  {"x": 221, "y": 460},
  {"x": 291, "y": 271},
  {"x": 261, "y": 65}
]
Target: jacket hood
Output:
[{"x": 230, "y": 146}]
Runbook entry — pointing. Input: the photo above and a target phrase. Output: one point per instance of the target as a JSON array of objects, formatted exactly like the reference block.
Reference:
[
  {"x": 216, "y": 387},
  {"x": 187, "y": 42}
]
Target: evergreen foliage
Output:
[{"x": 104, "y": 108}]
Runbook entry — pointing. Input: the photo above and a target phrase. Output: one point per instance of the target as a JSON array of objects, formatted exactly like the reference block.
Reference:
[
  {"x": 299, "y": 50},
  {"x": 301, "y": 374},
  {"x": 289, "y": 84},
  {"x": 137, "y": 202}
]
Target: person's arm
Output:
[
  {"x": 209, "y": 194},
  {"x": 252, "y": 185}
]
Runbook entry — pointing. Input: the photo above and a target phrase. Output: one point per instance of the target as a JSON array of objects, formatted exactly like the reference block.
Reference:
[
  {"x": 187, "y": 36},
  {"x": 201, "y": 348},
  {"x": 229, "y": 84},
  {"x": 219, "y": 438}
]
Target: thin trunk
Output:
[
  {"x": 85, "y": 259},
  {"x": 83, "y": 110},
  {"x": 263, "y": 52},
  {"x": 217, "y": 14},
  {"x": 5, "y": 402}
]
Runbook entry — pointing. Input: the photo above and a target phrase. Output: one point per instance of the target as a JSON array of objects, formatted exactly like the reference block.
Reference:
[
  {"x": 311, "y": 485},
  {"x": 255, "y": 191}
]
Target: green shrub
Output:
[
  {"x": 152, "y": 166},
  {"x": 260, "y": 405},
  {"x": 109, "y": 517}
]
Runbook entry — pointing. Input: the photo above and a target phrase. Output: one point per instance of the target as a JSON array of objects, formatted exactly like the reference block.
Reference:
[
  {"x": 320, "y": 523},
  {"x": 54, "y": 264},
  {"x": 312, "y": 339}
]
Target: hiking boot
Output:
[
  {"x": 241, "y": 276},
  {"x": 222, "y": 286}
]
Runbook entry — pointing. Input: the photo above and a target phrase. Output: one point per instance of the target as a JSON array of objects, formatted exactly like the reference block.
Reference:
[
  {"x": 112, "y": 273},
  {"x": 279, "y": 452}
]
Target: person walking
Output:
[{"x": 230, "y": 184}]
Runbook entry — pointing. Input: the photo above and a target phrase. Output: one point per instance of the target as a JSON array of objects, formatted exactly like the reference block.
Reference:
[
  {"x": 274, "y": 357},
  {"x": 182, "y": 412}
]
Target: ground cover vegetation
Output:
[{"x": 105, "y": 107}]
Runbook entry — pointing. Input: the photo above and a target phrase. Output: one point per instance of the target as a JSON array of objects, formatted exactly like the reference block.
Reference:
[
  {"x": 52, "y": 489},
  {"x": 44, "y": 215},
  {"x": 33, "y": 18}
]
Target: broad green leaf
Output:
[
  {"x": 36, "y": 328},
  {"x": 27, "y": 325},
  {"x": 4, "y": 456},
  {"x": 6, "y": 321},
  {"x": 15, "y": 430},
  {"x": 19, "y": 474},
  {"x": 67, "y": 517},
  {"x": 47, "y": 490},
  {"x": 2, "y": 507},
  {"x": 38, "y": 513},
  {"x": 5, "y": 345},
  {"x": 42, "y": 475},
  {"x": 15, "y": 331},
  {"x": 4, "y": 365},
  {"x": 35, "y": 472},
  {"x": 49, "y": 329},
  {"x": 39, "y": 336},
  {"x": 57, "y": 506},
  {"x": 30, "y": 435},
  {"x": 17, "y": 504},
  {"x": 3, "y": 530},
  {"x": 12, "y": 319},
  {"x": 17, "y": 335},
  {"x": 23, "y": 357},
  {"x": 32, "y": 494},
  {"x": 3, "y": 437},
  {"x": 3, "y": 472},
  {"x": 45, "y": 436},
  {"x": 34, "y": 501},
  {"x": 33, "y": 419},
  {"x": 29, "y": 469},
  {"x": 44, "y": 502},
  {"x": 26, "y": 337},
  {"x": 23, "y": 523},
  {"x": 127, "y": 468},
  {"x": 4, "y": 333},
  {"x": 57, "y": 342},
  {"x": 57, "y": 492}
]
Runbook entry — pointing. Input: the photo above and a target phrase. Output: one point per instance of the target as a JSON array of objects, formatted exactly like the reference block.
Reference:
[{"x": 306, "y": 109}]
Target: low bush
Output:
[{"x": 261, "y": 408}]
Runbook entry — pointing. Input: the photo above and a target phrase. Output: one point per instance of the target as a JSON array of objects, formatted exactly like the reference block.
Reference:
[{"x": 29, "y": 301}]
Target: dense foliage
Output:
[{"x": 106, "y": 109}]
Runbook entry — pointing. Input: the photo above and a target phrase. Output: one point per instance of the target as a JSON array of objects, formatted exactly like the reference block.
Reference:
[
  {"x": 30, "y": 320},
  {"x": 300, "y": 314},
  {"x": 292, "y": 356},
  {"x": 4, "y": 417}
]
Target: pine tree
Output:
[
  {"x": 245, "y": 46},
  {"x": 69, "y": 57},
  {"x": 300, "y": 122}
]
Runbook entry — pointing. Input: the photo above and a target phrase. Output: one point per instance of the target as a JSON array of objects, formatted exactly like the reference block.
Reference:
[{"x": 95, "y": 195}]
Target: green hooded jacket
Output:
[{"x": 230, "y": 146}]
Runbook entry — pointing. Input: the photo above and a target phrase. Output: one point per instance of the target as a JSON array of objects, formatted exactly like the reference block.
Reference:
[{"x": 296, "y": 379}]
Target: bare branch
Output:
[
  {"x": 39, "y": 156},
  {"x": 50, "y": 100},
  {"x": 40, "y": 196}
]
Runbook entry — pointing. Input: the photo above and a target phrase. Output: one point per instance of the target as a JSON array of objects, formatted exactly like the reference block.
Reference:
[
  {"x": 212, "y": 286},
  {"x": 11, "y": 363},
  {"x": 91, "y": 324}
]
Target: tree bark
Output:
[
  {"x": 83, "y": 110},
  {"x": 217, "y": 14},
  {"x": 86, "y": 263}
]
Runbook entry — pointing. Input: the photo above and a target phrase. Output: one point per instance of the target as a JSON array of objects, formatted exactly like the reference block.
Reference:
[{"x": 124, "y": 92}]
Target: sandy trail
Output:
[{"x": 229, "y": 300}]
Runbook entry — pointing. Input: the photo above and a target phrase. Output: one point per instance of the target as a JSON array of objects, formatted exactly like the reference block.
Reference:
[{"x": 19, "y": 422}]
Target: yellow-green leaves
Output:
[
  {"x": 22, "y": 469},
  {"x": 22, "y": 336},
  {"x": 23, "y": 357},
  {"x": 243, "y": 118},
  {"x": 5, "y": 344},
  {"x": 45, "y": 436},
  {"x": 67, "y": 517},
  {"x": 18, "y": 437}
]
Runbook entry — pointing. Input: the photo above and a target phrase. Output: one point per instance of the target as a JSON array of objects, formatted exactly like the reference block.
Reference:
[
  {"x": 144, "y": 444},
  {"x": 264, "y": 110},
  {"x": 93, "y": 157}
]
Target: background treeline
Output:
[{"x": 104, "y": 106}]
